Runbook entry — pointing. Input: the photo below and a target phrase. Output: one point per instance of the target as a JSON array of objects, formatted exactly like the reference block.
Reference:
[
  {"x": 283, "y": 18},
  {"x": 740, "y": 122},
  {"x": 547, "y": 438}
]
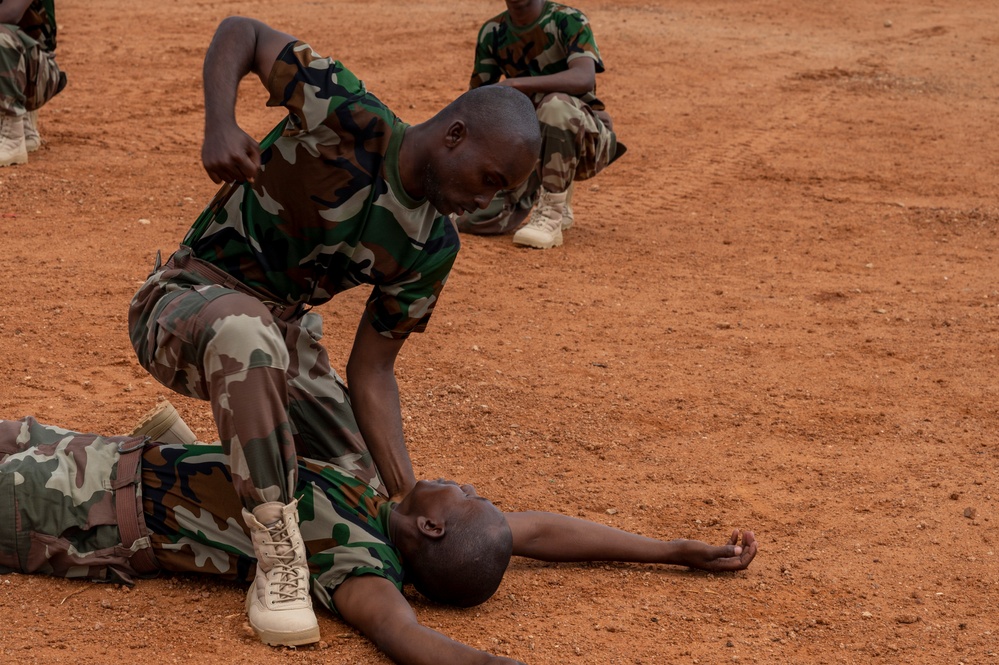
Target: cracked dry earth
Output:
[{"x": 777, "y": 312}]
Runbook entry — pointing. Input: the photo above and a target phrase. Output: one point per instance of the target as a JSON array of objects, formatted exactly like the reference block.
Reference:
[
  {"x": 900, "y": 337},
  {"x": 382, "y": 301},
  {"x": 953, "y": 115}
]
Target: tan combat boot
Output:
[
  {"x": 165, "y": 425},
  {"x": 32, "y": 139},
  {"x": 12, "y": 148},
  {"x": 567, "y": 217},
  {"x": 544, "y": 229},
  {"x": 278, "y": 604}
]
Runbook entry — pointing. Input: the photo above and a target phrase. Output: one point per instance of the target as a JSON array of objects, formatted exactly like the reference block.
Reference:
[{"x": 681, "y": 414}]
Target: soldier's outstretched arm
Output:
[
  {"x": 240, "y": 46},
  {"x": 553, "y": 537},
  {"x": 374, "y": 606}
]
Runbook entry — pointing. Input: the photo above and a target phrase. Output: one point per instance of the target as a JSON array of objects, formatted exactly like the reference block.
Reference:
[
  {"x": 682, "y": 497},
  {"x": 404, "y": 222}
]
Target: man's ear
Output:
[
  {"x": 456, "y": 133},
  {"x": 430, "y": 528}
]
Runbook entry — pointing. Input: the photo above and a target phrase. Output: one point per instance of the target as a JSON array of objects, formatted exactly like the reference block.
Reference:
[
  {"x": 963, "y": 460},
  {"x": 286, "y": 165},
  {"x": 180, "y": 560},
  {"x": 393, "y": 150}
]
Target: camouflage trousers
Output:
[
  {"x": 70, "y": 504},
  {"x": 111, "y": 509},
  {"x": 263, "y": 368},
  {"x": 29, "y": 75},
  {"x": 576, "y": 144}
]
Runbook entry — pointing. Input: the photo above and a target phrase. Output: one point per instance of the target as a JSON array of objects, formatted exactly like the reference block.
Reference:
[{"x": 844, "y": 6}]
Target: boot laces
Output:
[
  {"x": 543, "y": 217},
  {"x": 286, "y": 579}
]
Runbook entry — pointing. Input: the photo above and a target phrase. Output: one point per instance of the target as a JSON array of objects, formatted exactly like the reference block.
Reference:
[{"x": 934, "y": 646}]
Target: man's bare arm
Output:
[
  {"x": 11, "y": 11},
  {"x": 579, "y": 79},
  {"x": 552, "y": 537},
  {"x": 374, "y": 396},
  {"x": 240, "y": 46},
  {"x": 374, "y": 606}
]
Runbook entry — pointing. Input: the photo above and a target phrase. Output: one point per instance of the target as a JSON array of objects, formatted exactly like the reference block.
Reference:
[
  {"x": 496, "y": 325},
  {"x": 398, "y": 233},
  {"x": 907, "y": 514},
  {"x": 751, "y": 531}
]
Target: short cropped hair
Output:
[
  {"x": 498, "y": 111},
  {"x": 465, "y": 566}
]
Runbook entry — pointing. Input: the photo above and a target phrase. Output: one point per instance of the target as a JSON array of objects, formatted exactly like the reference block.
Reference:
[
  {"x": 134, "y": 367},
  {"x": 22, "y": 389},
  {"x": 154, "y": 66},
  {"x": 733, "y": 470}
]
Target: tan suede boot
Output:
[
  {"x": 278, "y": 604},
  {"x": 164, "y": 424},
  {"x": 544, "y": 229},
  {"x": 12, "y": 148},
  {"x": 32, "y": 139}
]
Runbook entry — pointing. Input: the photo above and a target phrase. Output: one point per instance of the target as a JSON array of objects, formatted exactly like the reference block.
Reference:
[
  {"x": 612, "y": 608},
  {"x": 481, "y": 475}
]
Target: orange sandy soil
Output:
[{"x": 777, "y": 312}]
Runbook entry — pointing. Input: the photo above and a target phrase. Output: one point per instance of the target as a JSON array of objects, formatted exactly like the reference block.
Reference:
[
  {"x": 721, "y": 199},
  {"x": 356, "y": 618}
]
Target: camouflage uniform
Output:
[
  {"x": 70, "y": 504},
  {"x": 225, "y": 319},
  {"x": 29, "y": 75},
  {"x": 577, "y": 142},
  {"x": 62, "y": 494}
]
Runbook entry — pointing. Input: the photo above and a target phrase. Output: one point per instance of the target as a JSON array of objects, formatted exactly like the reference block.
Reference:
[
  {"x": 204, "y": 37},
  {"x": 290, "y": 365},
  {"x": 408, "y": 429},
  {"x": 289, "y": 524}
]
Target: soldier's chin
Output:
[{"x": 443, "y": 206}]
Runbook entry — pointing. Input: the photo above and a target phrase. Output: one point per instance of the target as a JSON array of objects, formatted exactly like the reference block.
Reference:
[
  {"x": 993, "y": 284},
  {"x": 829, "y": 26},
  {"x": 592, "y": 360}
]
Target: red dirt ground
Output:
[{"x": 777, "y": 312}]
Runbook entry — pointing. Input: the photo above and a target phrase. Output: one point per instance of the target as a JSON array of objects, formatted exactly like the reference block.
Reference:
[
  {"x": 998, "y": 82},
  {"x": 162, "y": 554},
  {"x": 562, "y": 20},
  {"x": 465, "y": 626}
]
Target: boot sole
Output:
[
  {"x": 538, "y": 245},
  {"x": 278, "y": 638},
  {"x": 295, "y": 639},
  {"x": 19, "y": 159}
]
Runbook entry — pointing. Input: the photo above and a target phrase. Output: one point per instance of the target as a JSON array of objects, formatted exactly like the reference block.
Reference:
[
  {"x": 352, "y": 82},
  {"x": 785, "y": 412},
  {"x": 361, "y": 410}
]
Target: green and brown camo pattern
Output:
[
  {"x": 327, "y": 210},
  {"x": 195, "y": 516},
  {"x": 57, "y": 511},
  {"x": 29, "y": 74},
  {"x": 57, "y": 506},
  {"x": 545, "y": 47},
  {"x": 270, "y": 383},
  {"x": 39, "y": 23}
]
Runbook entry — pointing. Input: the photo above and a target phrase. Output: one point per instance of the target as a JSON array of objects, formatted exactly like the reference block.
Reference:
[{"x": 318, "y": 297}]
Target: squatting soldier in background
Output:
[
  {"x": 109, "y": 509},
  {"x": 545, "y": 50},
  {"x": 29, "y": 75},
  {"x": 340, "y": 193}
]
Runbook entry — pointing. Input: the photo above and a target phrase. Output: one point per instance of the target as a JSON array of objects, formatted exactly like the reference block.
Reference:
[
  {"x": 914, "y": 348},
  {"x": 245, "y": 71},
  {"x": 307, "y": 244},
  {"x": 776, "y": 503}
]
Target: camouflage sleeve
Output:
[
  {"x": 405, "y": 306},
  {"x": 486, "y": 69},
  {"x": 578, "y": 38},
  {"x": 310, "y": 86}
]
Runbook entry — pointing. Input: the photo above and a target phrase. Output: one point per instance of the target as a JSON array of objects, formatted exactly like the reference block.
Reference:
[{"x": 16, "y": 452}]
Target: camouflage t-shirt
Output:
[
  {"x": 559, "y": 35},
  {"x": 328, "y": 211},
  {"x": 38, "y": 22},
  {"x": 196, "y": 519}
]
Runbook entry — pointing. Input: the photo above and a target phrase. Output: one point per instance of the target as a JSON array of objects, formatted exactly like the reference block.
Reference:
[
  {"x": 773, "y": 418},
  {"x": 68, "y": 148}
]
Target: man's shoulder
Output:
[{"x": 565, "y": 12}]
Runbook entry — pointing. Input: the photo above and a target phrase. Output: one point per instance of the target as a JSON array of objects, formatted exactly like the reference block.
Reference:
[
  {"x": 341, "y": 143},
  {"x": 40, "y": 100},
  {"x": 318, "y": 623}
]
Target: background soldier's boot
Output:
[
  {"x": 12, "y": 148},
  {"x": 567, "y": 218},
  {"x": 544, "y": 229},
  {"x": 32, "y": 139},
  {"x": 164, "y": 424},
  {"x": 278, "y": 604}
]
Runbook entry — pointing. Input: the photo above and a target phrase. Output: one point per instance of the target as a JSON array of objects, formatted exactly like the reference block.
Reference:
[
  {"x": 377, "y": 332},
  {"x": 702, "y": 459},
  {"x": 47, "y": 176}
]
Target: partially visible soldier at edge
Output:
[
  {"x": 29, "y": 75},
  {"x": 546, "y": 50}
]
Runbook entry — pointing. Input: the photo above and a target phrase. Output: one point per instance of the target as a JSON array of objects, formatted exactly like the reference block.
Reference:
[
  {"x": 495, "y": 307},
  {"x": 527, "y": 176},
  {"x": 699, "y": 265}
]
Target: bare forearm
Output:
[
  {"x": 414, "y": 644},
  {"x": 11, "y": 11},
  {"x": 572, "y": 81},
  {"x": 375, "y": 399},
  {"x": 376, "y": 608},
  {"x": 553, "y": 537}
]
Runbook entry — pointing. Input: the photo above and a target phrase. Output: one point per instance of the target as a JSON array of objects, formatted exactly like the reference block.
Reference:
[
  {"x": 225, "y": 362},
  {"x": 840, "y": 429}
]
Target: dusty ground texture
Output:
[{"x": 778, "y": 312}]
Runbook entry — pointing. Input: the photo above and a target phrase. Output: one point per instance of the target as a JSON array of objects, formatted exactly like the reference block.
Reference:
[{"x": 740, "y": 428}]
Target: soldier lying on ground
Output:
[{"x": 115, "y": 508}]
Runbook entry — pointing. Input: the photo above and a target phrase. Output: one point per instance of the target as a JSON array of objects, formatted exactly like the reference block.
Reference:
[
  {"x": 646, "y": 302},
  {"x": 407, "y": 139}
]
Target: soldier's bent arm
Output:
[
  {"x": 240, "y": 46},
  {"x": 374, "y": 606},
  {"x": 11, "y": 11},
  {"x": 579, "y": 79}
]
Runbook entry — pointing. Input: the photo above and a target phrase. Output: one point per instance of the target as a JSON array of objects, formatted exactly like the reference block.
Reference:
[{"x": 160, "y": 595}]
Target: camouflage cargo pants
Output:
[
  {"x": 29, "y": 75},
  {"x": 576, "y": 144},
  {"x": 112, "y": 509},
  {"x": 266, "y": 375},
  {"x": 70, "y": 504}
]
